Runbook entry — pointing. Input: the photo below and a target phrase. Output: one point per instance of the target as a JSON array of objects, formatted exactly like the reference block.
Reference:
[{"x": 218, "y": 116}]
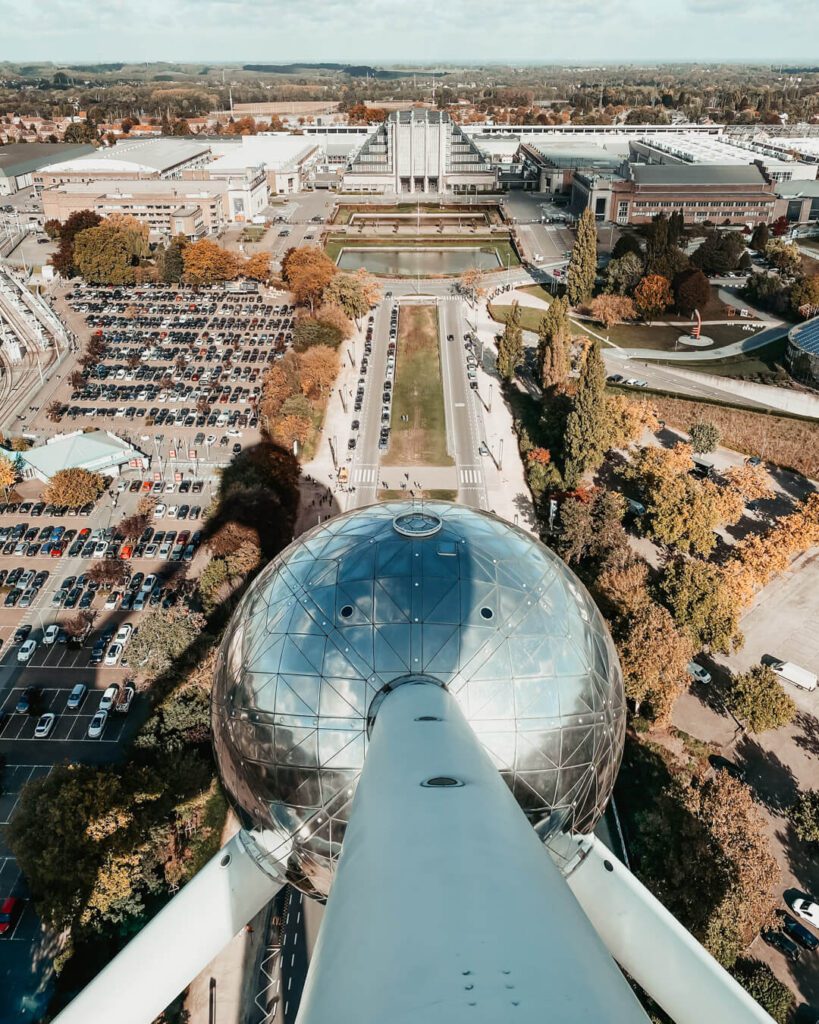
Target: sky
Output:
[{"x": 410, "y": 31}]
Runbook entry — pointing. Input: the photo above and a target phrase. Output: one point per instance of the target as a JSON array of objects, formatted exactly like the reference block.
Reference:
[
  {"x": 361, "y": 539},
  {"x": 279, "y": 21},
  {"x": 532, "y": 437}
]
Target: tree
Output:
[
  {"x": 804, "y": 816},
  {"x": 257, "y": 267},
  {"x": 207, "y": 263},
  {"x": 8, "y": 474},
  {"x": 652, "y": 296},
  {"x": 276, "y": 387},
  {"x": 624, "y": 274},
  {"x": 171, "y": 265},
  {"x": 73, "y": 487},
  {"x": 760, "y": 238},
  {"x": 102, "y": 255},
  {"x": 627, "y": 420},
  {"x": 586, "y": 426},
  {"x": 751, "y": 482},
  {"x": 52, "y": 228},
  {"x": 760, "y": 982},
  {"x": 287, "y": 430},
  {"x": 784, "y": 257},
  {"x": 165, "y": 635},
  {"x": 307, "y": 270},
  {"x": 590, "y": 529},
  {"x": 333, "y": 316},
  {"x": 703, "y": 604},
  {"x": 582, "y": 270},
  {"x": 654, "y": 656},
  {"x": 510, "y": 348},
  {"x": 350, "y": 292},
  {"x": 553, "y": 345},
  {"x": 133, "y": 526},
  {"x": 804, "y": 297},
  {"x": 719, "y": 252},
  {"x": 627, "y": 243},
  {"x": 758, "y": 698},
  {"x": 110, "y": 572},
  {"x": 319, "y": 367},
  {"x": 704, "y": 437},
  {"x": 311, "y": 331},
  {"x": 63, "y": 258},
  {"x": 612, "y": 309},
  {"x": 81, "y": 132},
  {"x": 692, "y": 290},
  {"x": 79, "y": 626}
]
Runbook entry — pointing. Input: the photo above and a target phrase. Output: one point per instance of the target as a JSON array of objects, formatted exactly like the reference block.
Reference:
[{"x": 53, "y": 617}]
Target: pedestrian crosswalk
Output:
[
  {"x": 365, "y": 475},
  {"x": 470, "y": 476}
]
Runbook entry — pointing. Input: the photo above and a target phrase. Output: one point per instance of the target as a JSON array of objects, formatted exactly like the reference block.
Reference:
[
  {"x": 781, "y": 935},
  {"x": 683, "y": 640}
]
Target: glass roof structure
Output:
[{"x": 400, "y": 589}]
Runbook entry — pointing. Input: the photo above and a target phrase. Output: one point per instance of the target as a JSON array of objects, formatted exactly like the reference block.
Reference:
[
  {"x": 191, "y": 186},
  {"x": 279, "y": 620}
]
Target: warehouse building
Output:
[
  {"x": 98, "y": 451},
  {"x": 141, "y": 160},
  {"x": 20, "y": 162}
]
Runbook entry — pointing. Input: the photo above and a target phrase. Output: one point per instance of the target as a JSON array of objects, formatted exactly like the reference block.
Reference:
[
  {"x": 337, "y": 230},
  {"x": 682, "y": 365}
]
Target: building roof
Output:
[
  {"x": 696, "y": 174},
  {"x": 806, "y": 336},
  {"x": 143, "y": 156},
  {"x": 275, "y": 152},
  {"x": 95, "y": 450},
  {"x": 24, "y": 157},
  {"x": 798, "y": 189},
  {"x": 116, "y": 188}
]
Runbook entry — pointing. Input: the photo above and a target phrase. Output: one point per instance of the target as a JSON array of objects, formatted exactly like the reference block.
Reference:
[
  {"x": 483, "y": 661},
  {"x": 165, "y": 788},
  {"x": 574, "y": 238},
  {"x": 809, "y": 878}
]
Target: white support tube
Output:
[
  {"x": 159, "y": 962},
  {"x": 653, "y": 947},
  {"x": 445, "y": 908}
]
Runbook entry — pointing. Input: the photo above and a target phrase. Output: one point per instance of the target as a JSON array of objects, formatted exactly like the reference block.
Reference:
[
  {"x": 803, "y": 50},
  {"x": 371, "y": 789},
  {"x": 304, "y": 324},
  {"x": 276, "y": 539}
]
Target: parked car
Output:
[
  {"x": 125, "y": 700},
  {"x": 10, "y": 909},
  {"x": 798, "y": 932},
  {"x": 27, "y": 700},
  {"x": 77, "y": 696},
  {"x": 109, "y": 697},
  {"x": 698, "y": 673},
  {"x": 807, "y": 909},
  {"x": 113, "y": 654},
  {"x": 44, "y": 725},
  {"x": 26, "y": 651},
  {"x": 96, "y": 726},
  {"x": 51, "y": 633},
  {"x": 781, "y": 942}
]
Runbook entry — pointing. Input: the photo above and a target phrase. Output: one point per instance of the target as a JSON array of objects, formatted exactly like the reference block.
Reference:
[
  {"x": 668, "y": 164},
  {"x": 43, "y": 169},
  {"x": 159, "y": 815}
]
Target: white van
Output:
[{"x": 801, "y": 677}]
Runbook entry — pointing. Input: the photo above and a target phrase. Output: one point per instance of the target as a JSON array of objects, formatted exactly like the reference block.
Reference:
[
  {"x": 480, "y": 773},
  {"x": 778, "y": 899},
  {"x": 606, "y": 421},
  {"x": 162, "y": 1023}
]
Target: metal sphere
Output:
[{"x": 376, "y": 594}]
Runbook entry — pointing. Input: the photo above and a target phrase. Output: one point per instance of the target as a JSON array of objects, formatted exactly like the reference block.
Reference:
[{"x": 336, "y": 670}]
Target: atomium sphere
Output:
[{"x": 395, "y": 589}]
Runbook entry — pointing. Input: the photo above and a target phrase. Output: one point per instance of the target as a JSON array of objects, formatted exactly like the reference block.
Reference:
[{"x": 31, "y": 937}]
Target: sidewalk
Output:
[{"x": 507, "y": 490}]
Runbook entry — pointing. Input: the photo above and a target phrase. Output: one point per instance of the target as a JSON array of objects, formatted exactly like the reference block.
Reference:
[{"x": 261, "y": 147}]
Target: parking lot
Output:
[{"x": 181, "y": 370}]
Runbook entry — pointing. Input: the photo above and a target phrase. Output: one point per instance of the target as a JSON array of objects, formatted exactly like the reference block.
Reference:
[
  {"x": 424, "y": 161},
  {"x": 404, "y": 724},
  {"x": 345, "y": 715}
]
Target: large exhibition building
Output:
[{"x": 419, "y": 151}]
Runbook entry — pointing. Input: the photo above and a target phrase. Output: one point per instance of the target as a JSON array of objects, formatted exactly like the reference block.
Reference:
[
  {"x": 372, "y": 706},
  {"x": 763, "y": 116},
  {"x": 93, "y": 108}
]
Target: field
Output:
[
  {"x": 418, "y": 435},
  {"x": 529, "y": 316},
  {"x": 789, "y": 442}
]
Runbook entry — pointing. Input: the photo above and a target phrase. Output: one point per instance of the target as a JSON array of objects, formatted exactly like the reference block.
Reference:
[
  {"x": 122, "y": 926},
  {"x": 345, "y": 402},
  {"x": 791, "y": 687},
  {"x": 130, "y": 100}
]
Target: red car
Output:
[
  {"x": 57, "y": 552},
  {"x": 9, "y": 912}
]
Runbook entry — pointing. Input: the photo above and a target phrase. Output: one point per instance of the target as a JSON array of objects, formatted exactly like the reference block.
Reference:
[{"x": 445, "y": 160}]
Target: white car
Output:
[
  {"x": 44, "y": 725},
  {"x": 97, "y": 725},
  {"x": 26, "y": 651},
  {"x": 124, "y": 633},
  {"x": 148, "y": 584},
  {"x": 159, "y": 511},
  {"x": 169, "y": 486},
  {"x": 173, "y": 509},
  {"x": 807, "y": 909},
  {"x": 698, "y": 673},
  {"x": 113, "y": 654},
  {"x": 112, "y": 600},
  {"x": 100, "y": 550},
  {"x": 51, "y": 633},
  {"x": 109, "y": 698}
]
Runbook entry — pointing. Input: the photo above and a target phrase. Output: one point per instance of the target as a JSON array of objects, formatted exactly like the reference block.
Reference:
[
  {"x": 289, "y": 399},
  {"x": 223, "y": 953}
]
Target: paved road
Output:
[
  {"x": 464, "y": 420},
  {"x": 364, "y": 465}
]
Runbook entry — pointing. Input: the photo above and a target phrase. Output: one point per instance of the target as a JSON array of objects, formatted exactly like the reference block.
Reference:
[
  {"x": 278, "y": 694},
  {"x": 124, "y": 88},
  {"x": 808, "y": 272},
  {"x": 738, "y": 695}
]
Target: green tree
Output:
[
  {"x": 804, "y": 297},
  {"x": 784, "y": 257},
  {"x": 757, "y": 697},
  {"x": 586, "y": 427},
  {"x": 81, "y": 132},
  {"x": 63, "y": 258},
  {"x": 553, "y": 345},
  {"x": 704, "y": 437},
  {"x": 627, "y": 243},
  {"x": 804, "y": 816},
  {"x": 760, "y": 238},
  {"x": 352, "y": 292},
  {"x": 624, "y": 274},
  {"x": 759, "y": 981},
  {"x": 164, "y": 637},
  {"x": 510, "y": 349},
  {"x": 583, "y": 263},
  {"x": 102, "y": 255},
  {"x": 702, "y": 604},
  {"x": 172, "y": 266},
  {"x": 692, "y": 290},
  {"x": 719, "y": 252}
]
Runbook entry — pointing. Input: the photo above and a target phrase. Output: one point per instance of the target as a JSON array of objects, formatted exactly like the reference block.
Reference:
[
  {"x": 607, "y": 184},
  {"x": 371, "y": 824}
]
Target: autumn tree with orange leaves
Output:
[
  {"x": 206, "y": 263},
  {"x": 653, "y": 296}
]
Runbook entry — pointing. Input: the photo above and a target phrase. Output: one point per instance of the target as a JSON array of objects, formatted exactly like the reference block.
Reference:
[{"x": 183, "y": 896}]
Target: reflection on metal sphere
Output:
[{"x": 390, "y": 590}]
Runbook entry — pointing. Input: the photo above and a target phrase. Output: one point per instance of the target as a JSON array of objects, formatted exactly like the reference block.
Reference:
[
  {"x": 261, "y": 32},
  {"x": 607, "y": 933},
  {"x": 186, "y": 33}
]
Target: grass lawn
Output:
[
  {"x": 539, "y": 292},
  {"x": 433, "y": 495},
  {"x": 764, "y": 364},
  {"x": 418, "y": 393},
  {"x": 529, "y": 316},
  {"x": 664, "y": 338}
]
